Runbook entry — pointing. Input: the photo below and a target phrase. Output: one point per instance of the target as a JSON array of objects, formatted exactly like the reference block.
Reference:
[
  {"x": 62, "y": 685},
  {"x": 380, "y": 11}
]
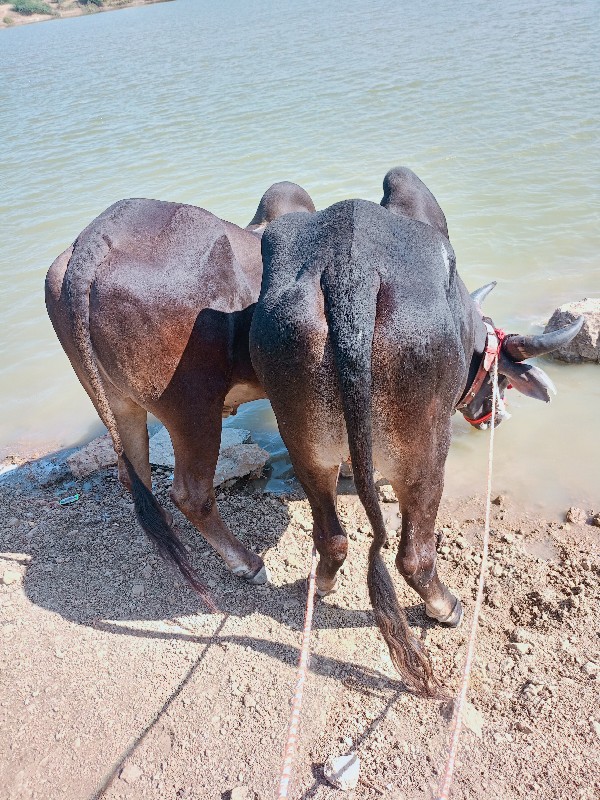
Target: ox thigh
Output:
[
  {"x": 196, "y": 437},
  {"x": 131, "y": 421},
  {"x": 419, "y": 490}
]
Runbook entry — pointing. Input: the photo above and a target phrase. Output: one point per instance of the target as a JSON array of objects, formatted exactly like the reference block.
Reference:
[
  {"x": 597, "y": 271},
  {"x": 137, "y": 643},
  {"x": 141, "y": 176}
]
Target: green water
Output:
[{"x": 495, "y": 106}]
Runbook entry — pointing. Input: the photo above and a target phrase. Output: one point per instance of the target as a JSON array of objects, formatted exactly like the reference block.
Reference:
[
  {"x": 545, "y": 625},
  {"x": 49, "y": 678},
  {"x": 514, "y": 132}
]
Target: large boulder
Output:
[
  {"x": 98, "y": 454},
  {"x": 238, "y": 455},
  {"x": 586, "y": 345}
]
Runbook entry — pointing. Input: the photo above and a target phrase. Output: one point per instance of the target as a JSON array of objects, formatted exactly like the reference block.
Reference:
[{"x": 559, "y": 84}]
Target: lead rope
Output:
[
  {"x": 457, "y": 719},
  {"x": 291, "y": 743}
]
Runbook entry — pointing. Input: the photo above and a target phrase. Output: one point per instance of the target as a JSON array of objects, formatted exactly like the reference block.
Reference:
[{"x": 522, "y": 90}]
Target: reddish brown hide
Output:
[{"x": 152, "y": 304}]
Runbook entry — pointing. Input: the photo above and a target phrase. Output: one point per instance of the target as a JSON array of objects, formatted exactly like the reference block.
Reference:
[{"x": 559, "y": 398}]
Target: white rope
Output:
[
  {"x": 291, "y": 743},
  {"x": 457, "y": 719}
]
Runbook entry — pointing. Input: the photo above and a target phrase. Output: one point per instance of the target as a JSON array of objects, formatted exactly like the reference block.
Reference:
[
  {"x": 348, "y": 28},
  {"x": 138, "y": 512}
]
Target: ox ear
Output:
[
  {"x": 528, "y": 379},
  {"x": 479, "y": 295}
]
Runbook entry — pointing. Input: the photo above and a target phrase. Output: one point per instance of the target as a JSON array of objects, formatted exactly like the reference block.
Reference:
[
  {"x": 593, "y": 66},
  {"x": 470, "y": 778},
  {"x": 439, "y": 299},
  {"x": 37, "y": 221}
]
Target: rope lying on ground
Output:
[
  {"x": 292, "y": 735},
  {"x": 457, "y": 719}
]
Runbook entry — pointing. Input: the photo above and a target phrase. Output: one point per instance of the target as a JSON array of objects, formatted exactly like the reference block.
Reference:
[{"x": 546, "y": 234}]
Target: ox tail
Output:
[
  {"x": 350, "y": 306},
  {"x": 150, "y": 515}
]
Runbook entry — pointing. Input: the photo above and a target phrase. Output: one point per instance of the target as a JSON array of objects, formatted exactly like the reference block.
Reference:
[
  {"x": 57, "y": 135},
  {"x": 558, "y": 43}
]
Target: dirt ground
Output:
[{"x": 115, "y": 683}]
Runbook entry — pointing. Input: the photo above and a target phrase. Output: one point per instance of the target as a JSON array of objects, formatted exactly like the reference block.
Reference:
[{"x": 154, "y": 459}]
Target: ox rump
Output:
[{"x": 365, "y": 340}]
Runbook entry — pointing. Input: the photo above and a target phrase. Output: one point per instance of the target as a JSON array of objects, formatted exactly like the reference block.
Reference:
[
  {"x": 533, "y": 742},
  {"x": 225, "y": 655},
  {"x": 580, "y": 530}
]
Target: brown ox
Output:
[{"x": 152, "y": 304}]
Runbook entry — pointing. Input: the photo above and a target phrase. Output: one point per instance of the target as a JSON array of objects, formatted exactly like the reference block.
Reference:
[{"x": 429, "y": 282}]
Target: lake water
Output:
[{"x": 495, "y": 106}]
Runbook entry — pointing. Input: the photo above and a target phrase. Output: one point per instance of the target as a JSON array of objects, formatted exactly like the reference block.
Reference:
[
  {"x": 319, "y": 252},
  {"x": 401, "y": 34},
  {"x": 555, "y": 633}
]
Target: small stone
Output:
[
  {"x": 342, "y": 771},
  {"x": 506, "y": 665},
  {"x": 10, "y": 576},
  {"x": 130, "y": 773},
  {"x": 520, "y": 647},
  {"x": 147, "y": 571},
  {"x": 12, "y": 522},
  {"x": 590, "y": 669},
  {"x": 386, "y": 493},
  {"x": 524, "y": 727},
  {"x": 240, "y": 793},
  {"x": 595, "y": 726},
  {"x": 520, "y": 635},
  {"x": 473, "y": 719},
  {"x": 509, "y": 538},
  {"x": 497, "y": 571},
  {"x": 249, "y": 701},
  {"x": 596, "y": 520},
  {"x": 577, "y": 516},
  {"x": 462, "y": 542},
  {"x": 499, "y": 501},
  {"x": 137, "y": 590}
]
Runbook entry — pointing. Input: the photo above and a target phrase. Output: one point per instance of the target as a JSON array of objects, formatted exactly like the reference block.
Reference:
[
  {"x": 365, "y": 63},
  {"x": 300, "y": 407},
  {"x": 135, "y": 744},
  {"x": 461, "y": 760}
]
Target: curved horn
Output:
[
  {"x": 521, "y": 347},
  {"x": 479, "y": 295}
]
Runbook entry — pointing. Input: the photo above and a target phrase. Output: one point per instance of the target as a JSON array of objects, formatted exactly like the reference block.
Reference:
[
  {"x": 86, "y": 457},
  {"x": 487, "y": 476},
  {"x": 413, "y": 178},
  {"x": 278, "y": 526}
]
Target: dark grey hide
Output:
[{"x": 364, "y": 338}]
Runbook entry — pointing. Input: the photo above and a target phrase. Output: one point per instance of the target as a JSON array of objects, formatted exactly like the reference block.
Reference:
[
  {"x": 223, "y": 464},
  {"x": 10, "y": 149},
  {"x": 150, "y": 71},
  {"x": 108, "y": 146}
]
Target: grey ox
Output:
[{"x": 365, "y": 340}]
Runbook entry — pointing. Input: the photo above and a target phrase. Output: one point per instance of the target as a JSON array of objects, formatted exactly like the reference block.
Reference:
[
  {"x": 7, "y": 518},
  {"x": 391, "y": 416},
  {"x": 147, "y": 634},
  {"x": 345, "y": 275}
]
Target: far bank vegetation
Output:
[{"x": 21, "y": 11}]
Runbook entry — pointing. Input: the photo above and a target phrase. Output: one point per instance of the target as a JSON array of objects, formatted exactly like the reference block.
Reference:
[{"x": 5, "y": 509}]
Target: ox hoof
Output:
[
  {"x": 451, "y": 620},
  {"x": 323, "y": 591},
  {"x": 255, "y": 578}
]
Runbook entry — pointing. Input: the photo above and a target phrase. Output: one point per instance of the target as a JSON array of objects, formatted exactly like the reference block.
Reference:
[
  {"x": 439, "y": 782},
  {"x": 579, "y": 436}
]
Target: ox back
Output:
[{"x": 362, "y": 340}]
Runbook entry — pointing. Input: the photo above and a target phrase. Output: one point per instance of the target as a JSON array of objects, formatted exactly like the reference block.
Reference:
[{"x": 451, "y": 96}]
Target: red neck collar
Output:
[{"x": 491, "y": 352}]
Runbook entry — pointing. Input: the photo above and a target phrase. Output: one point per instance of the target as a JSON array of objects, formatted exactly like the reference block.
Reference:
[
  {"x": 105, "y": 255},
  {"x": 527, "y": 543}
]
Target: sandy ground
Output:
[
  {"x": 115, "y": 683},
  {"x": 66, "y": 8}
]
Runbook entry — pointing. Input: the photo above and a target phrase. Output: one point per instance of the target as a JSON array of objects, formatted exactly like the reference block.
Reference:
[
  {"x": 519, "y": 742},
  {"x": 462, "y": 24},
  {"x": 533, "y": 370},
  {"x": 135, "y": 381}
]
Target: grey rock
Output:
[
  {"x": 586, "y": 345},
  {"x": 386, "y": 493},
  {"x": 522, "y": 648},
  {"x": 590, "y": 669},
  {"x": 240, "y": 793},
  {"x": 98, "y": 454},
  {"x": 342, "y": 771},
  {"x": 130, "y": 773},
  {"x": 577, "y": 516},
  {"x": 238, "y": 455},
  {"x": 10, "y": 576}
]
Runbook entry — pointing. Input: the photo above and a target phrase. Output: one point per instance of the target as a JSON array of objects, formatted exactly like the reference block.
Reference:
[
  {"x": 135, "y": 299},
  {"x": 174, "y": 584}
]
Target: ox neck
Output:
[
  {"x": 479, "y": 342},
  {"x": 481, "y": 363}
]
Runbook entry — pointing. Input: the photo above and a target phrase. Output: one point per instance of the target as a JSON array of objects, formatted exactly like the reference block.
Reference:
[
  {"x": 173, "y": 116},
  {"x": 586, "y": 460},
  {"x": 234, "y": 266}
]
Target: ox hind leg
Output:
[
  {"x": 418, "y": 484},
  {"x": 316, "y": 465},
  {"x": 329, "y": 536},
  {"x": 196, "y": 433}
]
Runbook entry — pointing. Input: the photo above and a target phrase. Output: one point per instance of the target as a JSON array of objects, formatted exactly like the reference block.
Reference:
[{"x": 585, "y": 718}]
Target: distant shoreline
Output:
[{"x": 63, "y": 10}]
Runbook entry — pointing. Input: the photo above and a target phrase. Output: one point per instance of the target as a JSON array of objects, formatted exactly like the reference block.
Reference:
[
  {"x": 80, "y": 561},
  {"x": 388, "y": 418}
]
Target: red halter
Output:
[{"x": 493, "y": 344}]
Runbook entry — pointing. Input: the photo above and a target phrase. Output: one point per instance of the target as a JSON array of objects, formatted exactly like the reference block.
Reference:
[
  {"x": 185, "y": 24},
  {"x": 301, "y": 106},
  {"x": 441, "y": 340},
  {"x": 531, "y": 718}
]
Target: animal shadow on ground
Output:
[{"x": 90, "y": 563}]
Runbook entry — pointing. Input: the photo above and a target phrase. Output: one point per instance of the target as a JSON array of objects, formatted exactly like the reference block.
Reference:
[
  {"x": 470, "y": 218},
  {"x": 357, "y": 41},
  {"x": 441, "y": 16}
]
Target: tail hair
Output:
[
  {"x": 150, "y": 517},
  {"x": 350, "y": 294},
  {"x": 78, "y": 278}
]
